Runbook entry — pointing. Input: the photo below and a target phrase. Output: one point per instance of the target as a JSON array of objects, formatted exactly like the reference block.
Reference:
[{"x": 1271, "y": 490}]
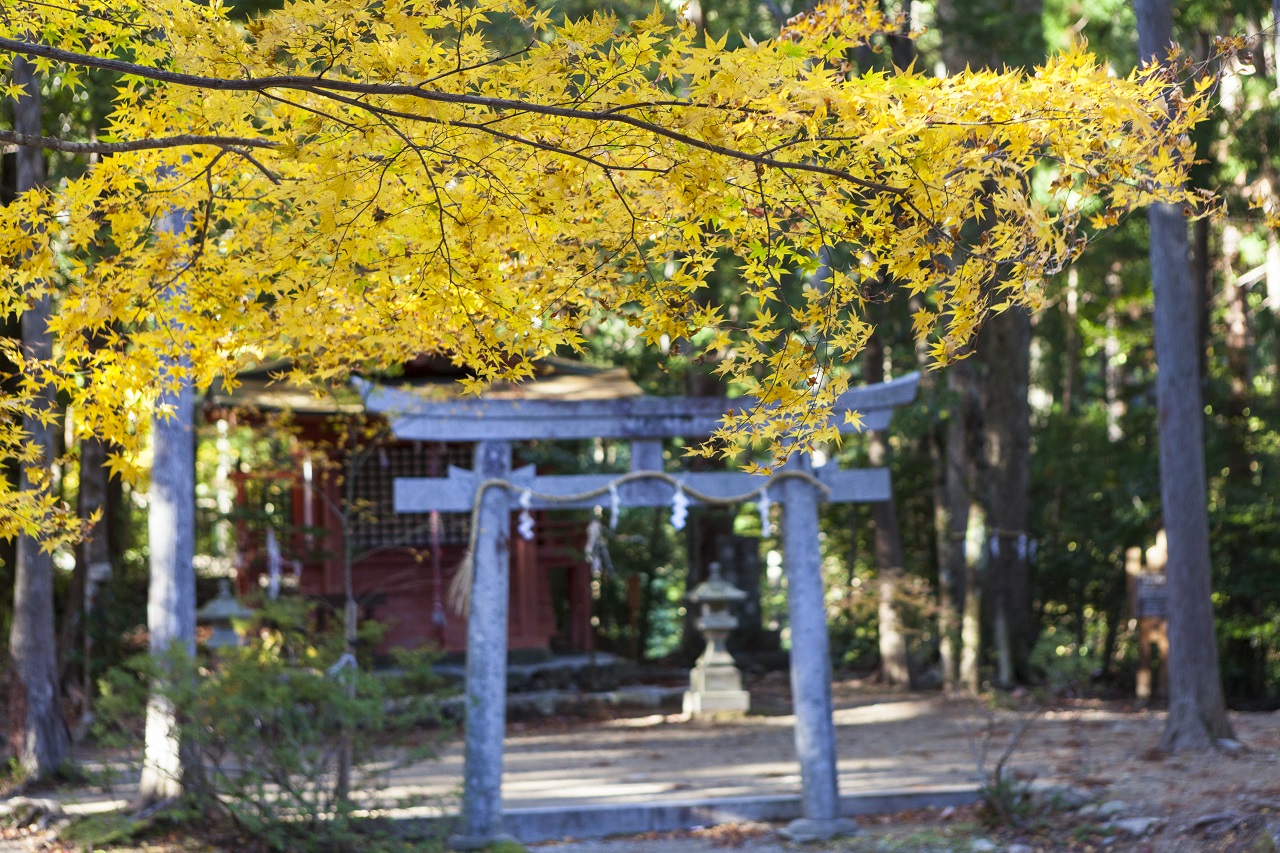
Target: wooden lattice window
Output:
[{"x": 378, "y": 524}]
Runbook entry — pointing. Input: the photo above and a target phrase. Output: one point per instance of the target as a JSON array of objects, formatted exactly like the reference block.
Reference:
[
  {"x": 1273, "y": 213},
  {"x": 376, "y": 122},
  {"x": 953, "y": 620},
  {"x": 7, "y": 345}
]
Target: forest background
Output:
[
  {"x": 1049, "y": 431},
  {"x": 1045, "y": 436}
]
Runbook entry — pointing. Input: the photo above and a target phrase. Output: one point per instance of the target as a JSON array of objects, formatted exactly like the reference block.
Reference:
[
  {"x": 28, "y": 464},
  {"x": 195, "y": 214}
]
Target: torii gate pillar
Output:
[
  {"x": 486, "y": 686},
  {"x": 810, "y": 663}
]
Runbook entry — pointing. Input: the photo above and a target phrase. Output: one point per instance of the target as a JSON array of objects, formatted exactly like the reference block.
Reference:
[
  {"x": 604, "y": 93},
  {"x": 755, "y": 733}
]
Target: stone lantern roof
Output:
[{"x": 715, "y": 590}]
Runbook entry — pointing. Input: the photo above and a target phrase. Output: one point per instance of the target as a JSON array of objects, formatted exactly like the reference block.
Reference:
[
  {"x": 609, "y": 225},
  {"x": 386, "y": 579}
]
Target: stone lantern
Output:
[
  {"x": 218, "y": 614},
  {"x": 715, "y": 684}
]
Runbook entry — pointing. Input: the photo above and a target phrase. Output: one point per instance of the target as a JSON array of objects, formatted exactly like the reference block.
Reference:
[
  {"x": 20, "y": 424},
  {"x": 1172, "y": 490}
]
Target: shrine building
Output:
[{"x": 405, "y": 563}]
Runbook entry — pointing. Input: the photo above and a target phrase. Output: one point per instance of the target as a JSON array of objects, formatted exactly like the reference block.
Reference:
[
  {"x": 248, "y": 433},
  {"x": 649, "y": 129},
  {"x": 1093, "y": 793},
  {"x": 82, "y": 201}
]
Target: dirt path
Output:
[
  {"x": 1106, "y": 752},
  {"x": 1141, "y": 799}
]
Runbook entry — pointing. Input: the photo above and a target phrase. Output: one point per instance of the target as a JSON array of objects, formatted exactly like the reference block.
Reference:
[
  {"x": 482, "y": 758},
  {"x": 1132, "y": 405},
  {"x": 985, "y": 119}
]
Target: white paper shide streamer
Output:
[
  {"x": 525, "y": 527},
  {"x": 679, "y": 507}
]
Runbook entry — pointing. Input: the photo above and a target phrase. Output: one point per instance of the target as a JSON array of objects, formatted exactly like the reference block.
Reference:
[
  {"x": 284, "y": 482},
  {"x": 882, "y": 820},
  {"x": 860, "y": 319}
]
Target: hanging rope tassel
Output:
[{"x": 592, "y": 548}]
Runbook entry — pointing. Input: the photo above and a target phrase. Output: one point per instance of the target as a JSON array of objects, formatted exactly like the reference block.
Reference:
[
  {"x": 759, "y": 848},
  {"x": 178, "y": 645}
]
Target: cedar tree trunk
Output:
[
  {"x": 1004, "y": 347},
  {"x": 895, "y": 662},
  {"x": 37, "y": 734},
  {"x": 171, "y": 594},
  {"x": 1197, "y": 710}
]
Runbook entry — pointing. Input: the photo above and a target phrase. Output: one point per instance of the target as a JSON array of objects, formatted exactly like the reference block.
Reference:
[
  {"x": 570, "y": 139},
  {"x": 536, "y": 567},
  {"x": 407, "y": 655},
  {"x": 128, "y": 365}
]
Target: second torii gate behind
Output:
[{"x": 645, "y": 421}]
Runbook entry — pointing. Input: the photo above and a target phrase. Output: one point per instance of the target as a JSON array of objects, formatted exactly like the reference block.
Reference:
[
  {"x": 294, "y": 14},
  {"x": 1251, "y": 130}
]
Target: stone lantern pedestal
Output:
[{"x": 715, "y": 684}]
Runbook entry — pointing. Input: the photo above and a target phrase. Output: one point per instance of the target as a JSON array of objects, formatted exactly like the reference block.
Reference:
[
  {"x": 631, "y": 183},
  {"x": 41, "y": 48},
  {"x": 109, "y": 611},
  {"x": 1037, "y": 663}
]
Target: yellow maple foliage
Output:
[{"x": 366, "y": 180}]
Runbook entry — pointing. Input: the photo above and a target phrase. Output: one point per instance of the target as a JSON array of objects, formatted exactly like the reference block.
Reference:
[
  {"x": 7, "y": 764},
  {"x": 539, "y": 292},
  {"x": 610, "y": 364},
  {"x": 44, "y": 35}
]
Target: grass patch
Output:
[
  {"x": 951, "y": 838},
  {"x": 179, "y": 829},
  {"x": 107, "y": 828}
]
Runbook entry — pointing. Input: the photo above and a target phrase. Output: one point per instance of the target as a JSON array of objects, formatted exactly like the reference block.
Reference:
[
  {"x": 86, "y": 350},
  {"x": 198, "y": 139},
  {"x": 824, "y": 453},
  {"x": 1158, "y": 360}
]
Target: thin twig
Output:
[{"x": 53, "y": 143}]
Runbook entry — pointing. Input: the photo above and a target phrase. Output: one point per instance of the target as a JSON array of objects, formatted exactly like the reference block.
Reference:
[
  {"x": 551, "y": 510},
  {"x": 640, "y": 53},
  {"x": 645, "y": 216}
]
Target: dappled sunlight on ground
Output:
[
  {"x": 883, "y": 712},
  {"x": 886, "y": 741}
]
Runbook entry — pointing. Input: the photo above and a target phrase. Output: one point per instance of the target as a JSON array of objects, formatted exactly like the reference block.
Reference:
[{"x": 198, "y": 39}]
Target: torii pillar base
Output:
[
  {"x": 464, "y": 843},
  {"x": 807, "y": 831}
]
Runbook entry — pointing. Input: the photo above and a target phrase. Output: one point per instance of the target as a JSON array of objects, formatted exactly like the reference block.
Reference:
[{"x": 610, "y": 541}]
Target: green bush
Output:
[
  {"x": 267, "y": 724},
  {"x": 1067, "y": 669}
]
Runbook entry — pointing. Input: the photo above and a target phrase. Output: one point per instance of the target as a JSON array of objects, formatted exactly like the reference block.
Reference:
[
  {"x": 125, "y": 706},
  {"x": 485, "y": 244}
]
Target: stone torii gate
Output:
[{"x": 644, "y": 421}]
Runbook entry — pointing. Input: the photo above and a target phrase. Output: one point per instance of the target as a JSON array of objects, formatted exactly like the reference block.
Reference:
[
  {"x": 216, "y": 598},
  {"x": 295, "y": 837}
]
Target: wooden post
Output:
[
  {"x": 1150, "y": 607},
  {"x": 487, "y": 657},
  {"x": 810, "y": 664},
  {"x": 1133, "y": 577}
]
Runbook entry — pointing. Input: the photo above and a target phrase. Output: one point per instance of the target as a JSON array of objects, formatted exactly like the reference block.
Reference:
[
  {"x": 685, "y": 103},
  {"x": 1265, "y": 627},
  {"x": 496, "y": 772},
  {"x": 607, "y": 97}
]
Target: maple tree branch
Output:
[
  {"x": 53, "y": 143},
  {"x": 383, "y": 113},
  {"x": 271, "y": 176},
  {"x": 322, "y": 86}
]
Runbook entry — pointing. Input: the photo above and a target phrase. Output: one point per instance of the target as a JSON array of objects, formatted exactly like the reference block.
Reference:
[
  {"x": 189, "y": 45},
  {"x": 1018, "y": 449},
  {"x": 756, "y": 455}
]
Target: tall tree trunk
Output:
[
  {"x": 895, "y": 659},
  {"x": 937, "y": 444},
  {"x": 92, "y": 569},
  {"x": 986, "y": 34},
  {"x": 971, "y": 621},
  {"x": 95, "y": 552},
  {"x": 1237, "y": 341},
  {"x": 1272, "y": 262},
  {"x": 960, "y": 462},
  {"x": 1004, "y": 347},
  {"x": 948, "y": 609},
  {"x": 171, "y": 597},
  {"x": 895, "y": 662},
  {"x": 902, "y": 47},
  {"x": 70, "y": 644},
  {"x": 1275, "y": 39},
  {"x": 1197, "y": 710},
  {"x": 1113, "y": 372},
  {"x": 1071, "y": 345},
  {"x": 1070, "y": 373},
  {"x": 37, "y": 733}
]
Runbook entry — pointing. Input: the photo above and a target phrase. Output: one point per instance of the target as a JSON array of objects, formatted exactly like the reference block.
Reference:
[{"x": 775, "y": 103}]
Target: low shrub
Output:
[{"x": 266, "y": 725}]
